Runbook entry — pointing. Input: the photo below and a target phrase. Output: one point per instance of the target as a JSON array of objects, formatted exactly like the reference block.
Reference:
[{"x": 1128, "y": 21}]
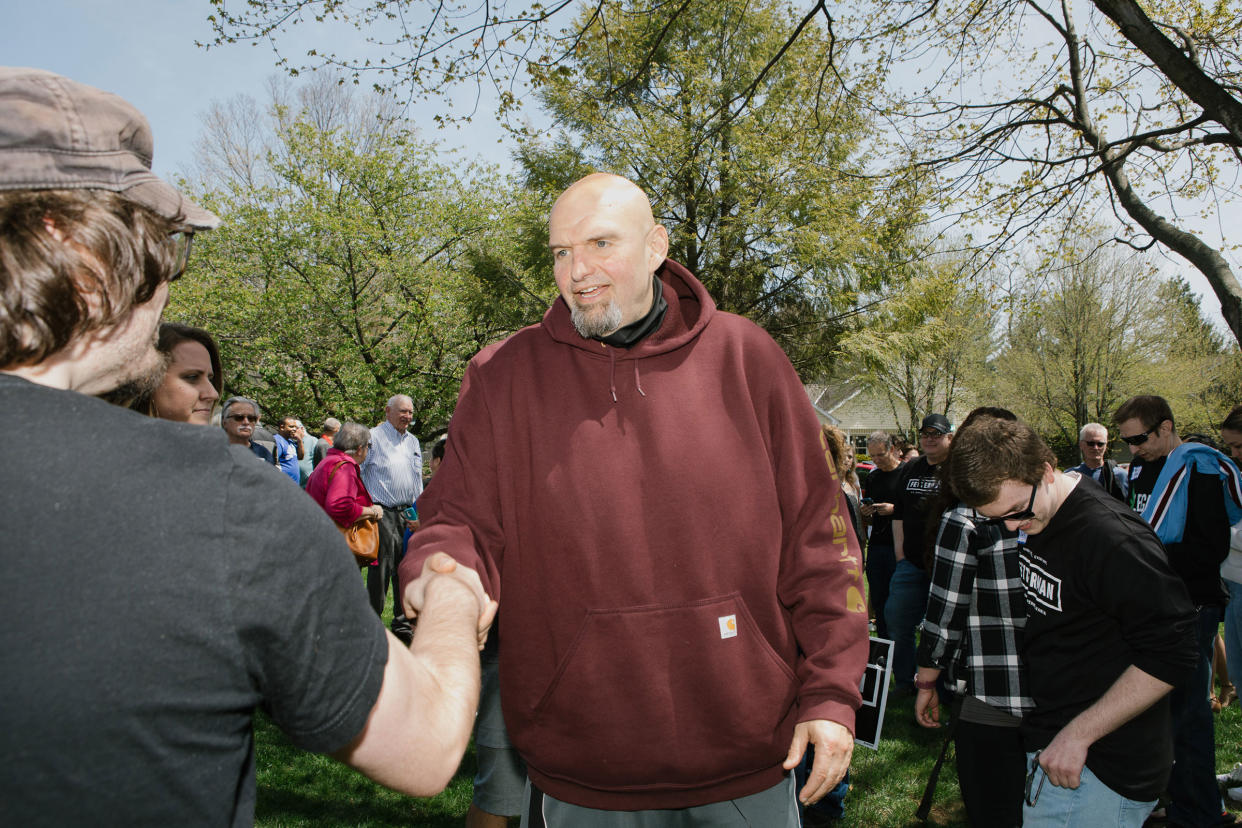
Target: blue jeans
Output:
[
  {"x": 907, "y": 602},
  {"x": 1233, "y": 633},
  {"x": 1091, "y": 805},
  {"x": 881, "y": 561},
  {"x": 1192, "y": 786}
]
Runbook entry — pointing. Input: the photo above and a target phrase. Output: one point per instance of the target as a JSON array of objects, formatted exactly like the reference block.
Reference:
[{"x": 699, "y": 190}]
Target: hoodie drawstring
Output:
[
  {"x": 612, "y": 372},
  {"x": 612, "y": 375}
]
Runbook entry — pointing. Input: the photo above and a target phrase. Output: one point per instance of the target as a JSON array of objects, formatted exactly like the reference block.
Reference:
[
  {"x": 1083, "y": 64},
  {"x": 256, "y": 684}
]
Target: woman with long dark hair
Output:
[{"x": 192, "y": 381}]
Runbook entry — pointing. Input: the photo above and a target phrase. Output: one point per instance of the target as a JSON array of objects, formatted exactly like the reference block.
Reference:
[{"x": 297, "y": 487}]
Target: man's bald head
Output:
[
  {"x": 605, "y": 247},
  {"x": 609, "y": 192}
]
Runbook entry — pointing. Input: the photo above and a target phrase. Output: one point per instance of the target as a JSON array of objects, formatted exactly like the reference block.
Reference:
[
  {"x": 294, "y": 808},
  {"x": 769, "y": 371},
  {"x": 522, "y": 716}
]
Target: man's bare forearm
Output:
[
  {"x": 421, "y": 722},
  {"x": 1133, "y": 692}
]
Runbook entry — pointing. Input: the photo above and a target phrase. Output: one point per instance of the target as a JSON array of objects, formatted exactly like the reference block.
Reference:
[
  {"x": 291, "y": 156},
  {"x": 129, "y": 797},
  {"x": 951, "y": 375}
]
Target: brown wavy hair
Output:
[
  {"x": 992, "y": 451},
  {"x": 171, "y": 335},
  {"x": 109, "y": 255}
]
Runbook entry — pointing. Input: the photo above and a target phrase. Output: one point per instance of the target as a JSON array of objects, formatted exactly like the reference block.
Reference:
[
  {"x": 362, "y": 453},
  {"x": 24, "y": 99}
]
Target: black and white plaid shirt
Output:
[{"x": 976, "y": 611}]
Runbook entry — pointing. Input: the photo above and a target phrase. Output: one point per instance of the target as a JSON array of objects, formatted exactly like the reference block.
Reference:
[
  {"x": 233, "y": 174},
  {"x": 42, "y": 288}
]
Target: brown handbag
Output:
[
  {"x": 363, "y": 540},
  {"x": 362, "y": 536}
]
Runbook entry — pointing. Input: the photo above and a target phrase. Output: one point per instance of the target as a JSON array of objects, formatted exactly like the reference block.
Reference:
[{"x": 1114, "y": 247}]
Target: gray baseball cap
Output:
[{"x": 57, "y": 134}]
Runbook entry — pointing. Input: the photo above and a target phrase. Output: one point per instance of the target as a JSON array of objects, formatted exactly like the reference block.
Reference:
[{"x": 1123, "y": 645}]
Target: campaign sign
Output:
[{"x": 874, "y": 686}]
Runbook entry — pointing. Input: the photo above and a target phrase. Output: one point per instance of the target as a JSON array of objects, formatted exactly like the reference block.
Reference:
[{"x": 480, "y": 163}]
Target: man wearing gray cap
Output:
[{"x": 137, "y": 629}]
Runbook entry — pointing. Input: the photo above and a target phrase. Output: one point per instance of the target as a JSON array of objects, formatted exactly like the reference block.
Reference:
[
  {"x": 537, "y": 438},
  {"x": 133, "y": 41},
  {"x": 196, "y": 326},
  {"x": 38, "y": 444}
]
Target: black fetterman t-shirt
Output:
[
  {"x": 918, "y": 485},
  {"x": 1101, "y": 597}
]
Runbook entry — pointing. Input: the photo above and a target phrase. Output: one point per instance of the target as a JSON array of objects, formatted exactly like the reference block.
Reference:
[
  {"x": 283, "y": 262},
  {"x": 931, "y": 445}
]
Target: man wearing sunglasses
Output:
[
  {"x": 1109, "y": 630},
  {"x": 1093, "y": 443},
  {"x": 150, "y": 601},
  {"x": 238, "y": 418},
  {"x": 1187, "y": 492}
]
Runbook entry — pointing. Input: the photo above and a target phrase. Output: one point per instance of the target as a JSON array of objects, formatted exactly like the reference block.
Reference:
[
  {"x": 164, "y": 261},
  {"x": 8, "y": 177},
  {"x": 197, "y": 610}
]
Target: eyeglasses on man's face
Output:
[
  {"x": 1139, "y": 439},
  {"x": 240, "y": 418},
  {"x": 1094, "y": 443},
  {"x": 1017, "y": 517},
  {"x": 181, "y": 243},
  {"x": 931, "y": 434}
]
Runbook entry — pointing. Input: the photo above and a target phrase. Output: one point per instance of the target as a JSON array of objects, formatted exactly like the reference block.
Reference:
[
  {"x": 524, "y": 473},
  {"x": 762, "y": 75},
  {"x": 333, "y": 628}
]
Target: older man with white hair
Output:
[
  {"x": 1093, "y": 443},
  {"x": 393, "y": 474}
]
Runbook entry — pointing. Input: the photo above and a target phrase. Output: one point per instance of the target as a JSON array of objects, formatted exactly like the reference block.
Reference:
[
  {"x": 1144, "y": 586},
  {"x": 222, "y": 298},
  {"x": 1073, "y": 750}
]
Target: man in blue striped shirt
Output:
[{"x": 393, "y": 474}]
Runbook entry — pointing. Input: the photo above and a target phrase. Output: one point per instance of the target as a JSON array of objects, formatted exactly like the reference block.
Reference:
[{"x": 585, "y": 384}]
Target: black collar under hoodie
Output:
[{"x": 688, "y": 309}]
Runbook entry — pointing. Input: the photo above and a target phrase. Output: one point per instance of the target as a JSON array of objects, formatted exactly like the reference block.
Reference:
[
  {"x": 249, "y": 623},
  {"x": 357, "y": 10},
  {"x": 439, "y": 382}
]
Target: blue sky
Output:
[{"x": 144, "y": 51}]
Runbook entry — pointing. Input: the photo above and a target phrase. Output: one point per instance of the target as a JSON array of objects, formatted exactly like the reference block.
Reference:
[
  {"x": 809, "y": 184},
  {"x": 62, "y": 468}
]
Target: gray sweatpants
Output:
[{"x": 777, "y": 807}]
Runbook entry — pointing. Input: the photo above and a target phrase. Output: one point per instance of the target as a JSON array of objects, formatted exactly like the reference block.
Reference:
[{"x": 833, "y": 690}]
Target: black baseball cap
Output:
[{"x": 936, "y": 422}]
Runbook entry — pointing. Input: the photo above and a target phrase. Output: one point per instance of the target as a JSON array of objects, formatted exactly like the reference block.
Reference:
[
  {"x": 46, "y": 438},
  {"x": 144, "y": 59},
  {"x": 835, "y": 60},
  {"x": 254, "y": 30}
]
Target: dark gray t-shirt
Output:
[{"x": 158, "y": 587}]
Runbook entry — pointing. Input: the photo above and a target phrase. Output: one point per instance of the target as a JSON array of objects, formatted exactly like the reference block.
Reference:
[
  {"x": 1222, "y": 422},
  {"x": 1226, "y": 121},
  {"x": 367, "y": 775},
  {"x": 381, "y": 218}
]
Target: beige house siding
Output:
[{"x": 855, "y": 409}]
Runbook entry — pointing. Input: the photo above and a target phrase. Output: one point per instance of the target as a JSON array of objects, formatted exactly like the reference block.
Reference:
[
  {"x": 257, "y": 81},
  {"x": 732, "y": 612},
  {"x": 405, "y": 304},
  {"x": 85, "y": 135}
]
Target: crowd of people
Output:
[
  {"x": 1067, "y": 617},
  {"x": 678, "y": 650}
]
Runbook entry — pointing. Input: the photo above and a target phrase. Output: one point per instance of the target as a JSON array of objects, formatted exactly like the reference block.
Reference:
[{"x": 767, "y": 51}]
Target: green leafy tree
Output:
[
  {"x": 1103, "y": 112},
  {"x": 1080, "y": 338},
  {"x": 1194, "y": 366},
  {"x": 926, "y": 347},
  {"x": 762, "y": 189},
  {"x": 1093, "y": 327},
  {"x": 344, "y": 271},
  {"x": 1031, "y": 112}
]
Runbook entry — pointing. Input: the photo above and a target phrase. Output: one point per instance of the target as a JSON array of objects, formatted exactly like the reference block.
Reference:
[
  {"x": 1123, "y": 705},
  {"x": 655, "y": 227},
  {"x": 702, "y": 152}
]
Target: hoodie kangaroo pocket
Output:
[{"x": 664, "y": 696}]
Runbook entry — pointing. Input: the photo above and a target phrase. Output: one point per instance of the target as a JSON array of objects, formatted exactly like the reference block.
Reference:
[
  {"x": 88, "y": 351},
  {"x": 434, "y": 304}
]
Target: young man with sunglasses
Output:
[
  {"x": 1109, "y": 630},
  {"x": 1093, "y": 443},
  {"x": 1188, "y": 493}
]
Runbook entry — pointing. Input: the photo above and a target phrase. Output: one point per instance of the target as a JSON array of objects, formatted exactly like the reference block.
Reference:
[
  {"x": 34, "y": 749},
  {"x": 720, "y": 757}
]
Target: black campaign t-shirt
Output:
[
  {"x": 1100, "y": 597},
  {"x": 158, "y": 587},
  {"x": 918, "y": 485},
  {"x": 883, "y": 487}
]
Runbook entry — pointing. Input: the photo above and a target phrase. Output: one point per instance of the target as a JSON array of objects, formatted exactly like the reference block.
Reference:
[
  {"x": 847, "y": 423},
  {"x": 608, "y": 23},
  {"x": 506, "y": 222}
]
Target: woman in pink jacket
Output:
[{"x": 336, "y": 484}]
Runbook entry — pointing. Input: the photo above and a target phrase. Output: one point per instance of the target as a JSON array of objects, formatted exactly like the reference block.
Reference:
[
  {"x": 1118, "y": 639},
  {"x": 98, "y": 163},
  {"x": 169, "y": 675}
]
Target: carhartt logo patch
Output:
[{"x": 728, "y": 626}]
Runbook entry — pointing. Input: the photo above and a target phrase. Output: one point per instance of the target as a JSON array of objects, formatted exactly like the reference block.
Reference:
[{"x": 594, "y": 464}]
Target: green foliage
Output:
[
  {"x": 1081, "y": 334},
  {"x": 758, "y": 181},
  {"x": 353, "y": 264},
  {"x": 927, "y": 345},
  {"x": 1092, "y": 328},
  {"x": 1038, "y": 115}
]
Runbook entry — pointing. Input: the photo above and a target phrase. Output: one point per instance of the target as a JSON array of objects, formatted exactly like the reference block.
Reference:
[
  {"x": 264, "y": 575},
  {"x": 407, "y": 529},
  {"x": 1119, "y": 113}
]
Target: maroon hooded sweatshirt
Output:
[{"x": 672, "y": 555}]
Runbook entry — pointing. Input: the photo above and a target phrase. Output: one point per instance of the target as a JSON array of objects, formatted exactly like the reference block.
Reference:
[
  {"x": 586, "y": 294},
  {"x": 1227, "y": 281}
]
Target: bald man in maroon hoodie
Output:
[{"x": 639, "y": 481}]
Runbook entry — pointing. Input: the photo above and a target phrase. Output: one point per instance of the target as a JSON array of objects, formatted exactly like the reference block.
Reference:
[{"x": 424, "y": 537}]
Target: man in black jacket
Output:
[{"x": 1146, "y": 424}]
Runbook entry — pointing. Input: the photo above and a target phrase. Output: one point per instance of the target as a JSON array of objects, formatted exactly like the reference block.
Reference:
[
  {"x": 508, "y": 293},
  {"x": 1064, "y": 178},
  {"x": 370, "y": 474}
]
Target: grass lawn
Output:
[{"x": 302, "y": 789}]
